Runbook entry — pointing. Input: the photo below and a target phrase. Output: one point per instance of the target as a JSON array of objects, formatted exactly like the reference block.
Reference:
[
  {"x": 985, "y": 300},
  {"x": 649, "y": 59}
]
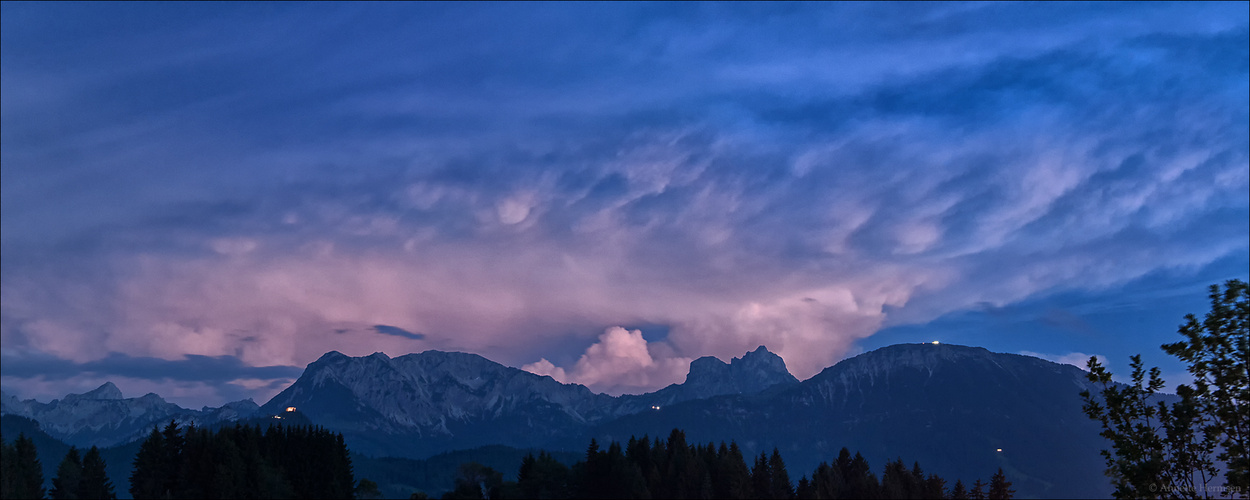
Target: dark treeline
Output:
[
  {"x": 311, "y": 462},
  {"x": 673, "y": 468},
  {"x": 191, "y": 462},
  {"x": 242, "y": 462}
]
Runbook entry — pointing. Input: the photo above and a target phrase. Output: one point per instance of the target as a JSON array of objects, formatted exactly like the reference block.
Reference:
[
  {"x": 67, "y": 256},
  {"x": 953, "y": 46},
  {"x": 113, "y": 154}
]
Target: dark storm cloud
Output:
[
  {"x": 194, "y": 368},
  {"x": 397, "y": 331}
]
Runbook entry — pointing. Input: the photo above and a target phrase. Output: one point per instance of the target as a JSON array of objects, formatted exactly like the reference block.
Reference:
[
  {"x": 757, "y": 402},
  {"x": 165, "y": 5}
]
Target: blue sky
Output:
[{"x": 199, "y": 199}]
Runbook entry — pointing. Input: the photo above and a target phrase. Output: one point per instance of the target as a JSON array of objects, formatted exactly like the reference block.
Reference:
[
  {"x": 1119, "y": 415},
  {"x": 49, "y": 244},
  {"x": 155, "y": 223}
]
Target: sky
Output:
[{"x": 199, "y": 199}]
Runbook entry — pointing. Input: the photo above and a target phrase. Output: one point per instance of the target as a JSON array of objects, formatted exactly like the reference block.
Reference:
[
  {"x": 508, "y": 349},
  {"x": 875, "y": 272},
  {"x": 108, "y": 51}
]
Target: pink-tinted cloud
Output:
[
  {"x": 740, "y": 183},
  {"x": 621, "y": 361}
]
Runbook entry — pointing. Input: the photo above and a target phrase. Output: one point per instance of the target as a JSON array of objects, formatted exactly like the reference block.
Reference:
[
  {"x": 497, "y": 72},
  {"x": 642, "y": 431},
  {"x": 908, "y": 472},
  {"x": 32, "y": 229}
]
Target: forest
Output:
[
  {"x": 310, "y": 462},
  {"x": 189, "y": 462},
  {"x": 673, "y": 468}
]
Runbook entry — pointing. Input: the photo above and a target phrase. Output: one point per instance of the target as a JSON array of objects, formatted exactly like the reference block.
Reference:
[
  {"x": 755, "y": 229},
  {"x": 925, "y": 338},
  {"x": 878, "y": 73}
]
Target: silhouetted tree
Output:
[
  {"x": 8, "y": 473},
  {"x": 543, "y": 477},
  {"x": 804, "y": 489},
  {"x": 860, "y": 482},
  {"x": 146, "y": 479},
  {"x": 761, "y": 478},
  {"x": 1000, "y": 488},
  {"x": 1153, "y": 442},
  {"x": 978, "y": 490},
  {"x": 781, "y": 488},
  {"x": 22, "y": 468},
  {"x": 735, "y": 476},
  {"x": 95, "y": 481},
  {"x": 934, "y": 487},
  {"x": 959, "y": 492},
  {"x": 827, "y": 481},
  {"x": 68, "y": 475},
  {"x": 896, "y": 480},
  {"x": 475, "y": 480},
  {"x": 1216, "y": 351}
]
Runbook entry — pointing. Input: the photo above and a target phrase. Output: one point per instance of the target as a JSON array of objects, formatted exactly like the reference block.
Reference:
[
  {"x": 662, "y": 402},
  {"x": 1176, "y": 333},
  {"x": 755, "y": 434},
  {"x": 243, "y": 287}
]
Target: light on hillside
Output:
[
  {"x": 655, "y": 407},
  {"x": 290, "y": 408},
  {"x": 936, "y": 342},
  {"x": 1000, "y": 450}
]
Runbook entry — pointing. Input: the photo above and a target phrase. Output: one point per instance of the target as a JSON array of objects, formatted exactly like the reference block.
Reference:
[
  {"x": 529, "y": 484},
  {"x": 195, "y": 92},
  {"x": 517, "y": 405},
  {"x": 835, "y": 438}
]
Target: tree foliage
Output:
[
  {"x": 242, "y": 462},
  {"x": 68, "y": 476},
  {"x": 1161, "y": 450},
  {"x": 21, "y": 474},
  {"x": 94, "y": 481},
  {"x": 673, "y": 468}
]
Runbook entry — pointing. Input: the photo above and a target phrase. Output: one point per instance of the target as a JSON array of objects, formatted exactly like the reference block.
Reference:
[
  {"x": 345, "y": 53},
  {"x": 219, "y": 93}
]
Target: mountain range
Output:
[
  {"x": 102, "y": 417},
  {"x": 960, "y": 411}
]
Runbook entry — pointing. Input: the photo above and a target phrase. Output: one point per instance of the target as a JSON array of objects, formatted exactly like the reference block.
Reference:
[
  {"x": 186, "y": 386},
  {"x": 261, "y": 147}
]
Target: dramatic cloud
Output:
[
  {"x": 619, "y": 362},
  {"x": 528, "y": 182}
]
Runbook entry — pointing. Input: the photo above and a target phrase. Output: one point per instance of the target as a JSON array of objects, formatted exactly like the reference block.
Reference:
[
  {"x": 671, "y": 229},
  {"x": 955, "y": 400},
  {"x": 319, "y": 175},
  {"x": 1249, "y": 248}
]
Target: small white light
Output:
[
  {"x": 655, "y": 407},
  {"x": 936, "y": 342},
  {"x": 1000, "y": 450}
]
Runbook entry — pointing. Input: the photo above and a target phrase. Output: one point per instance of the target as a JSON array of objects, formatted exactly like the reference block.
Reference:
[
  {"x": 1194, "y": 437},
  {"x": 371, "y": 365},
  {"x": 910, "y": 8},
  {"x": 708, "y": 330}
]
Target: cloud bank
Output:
[{"x": 184, "y": 182}]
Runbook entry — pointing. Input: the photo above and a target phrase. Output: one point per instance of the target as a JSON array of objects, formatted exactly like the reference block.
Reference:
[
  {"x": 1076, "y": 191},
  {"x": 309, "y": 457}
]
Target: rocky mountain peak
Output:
[
  {"x": 706, "y": 366},
  {"x": 763, "y": 359},
  {"x": 753, "y": 372},
  {"x": 108, "y": 391}
]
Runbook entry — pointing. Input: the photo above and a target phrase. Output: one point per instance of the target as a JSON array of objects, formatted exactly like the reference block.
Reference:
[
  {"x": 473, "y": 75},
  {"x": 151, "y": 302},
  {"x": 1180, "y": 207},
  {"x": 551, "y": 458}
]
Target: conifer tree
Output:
[
  {"x": 737, "y": 476},
  {"x": 781, "y": 487},
  {"x": 543, "y": 477},
  {"x": 804, "y": 490},
  {"x": 827, "y": 481},
  {"x": 171, "y": 460},
  {"x": 147, "y": 479},
  {"x": 916, "y": 481},
  {"x": 95, "y": 481},
  {"x": 68, "y": 475},
  {"x": 27, "y": 471},
  {"x": 934, "y": 487},
  {"x": 761, "y": 478},
  {"x": 1000, "y": 488},
  {"x": 959, "y": 492},
  {"x": 978, "y": 490},
  {"x": 861, "y": 483},
  {"x": 8, "y": 472},
  {"x": 895, "y": 480}
]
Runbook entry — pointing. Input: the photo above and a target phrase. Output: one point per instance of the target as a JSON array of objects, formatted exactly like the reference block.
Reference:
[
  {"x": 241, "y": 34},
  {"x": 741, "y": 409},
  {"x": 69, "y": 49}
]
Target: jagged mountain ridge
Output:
[
  {"x": 950, "y": 407},
  {"x": 103, "y": 417},
  {"x": 753, "y": 372},
  {"x": 419, "y": 404}
]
